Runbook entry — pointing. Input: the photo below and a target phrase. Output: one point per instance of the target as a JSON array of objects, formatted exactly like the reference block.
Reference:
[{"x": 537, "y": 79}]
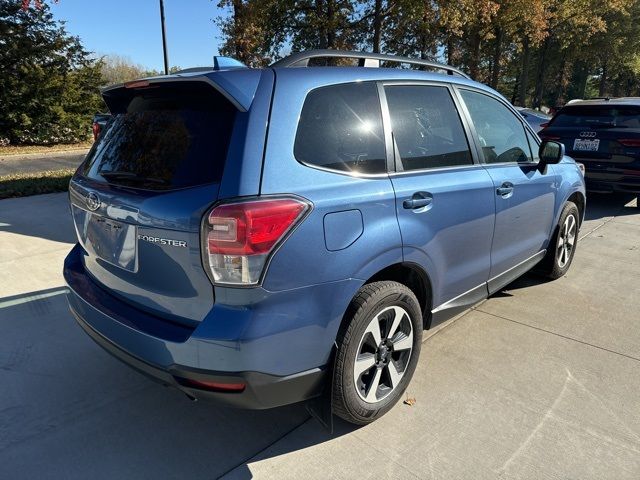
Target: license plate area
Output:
[
  {"x": 110, "y": 240},
  {"x": 586, "y": 145}
]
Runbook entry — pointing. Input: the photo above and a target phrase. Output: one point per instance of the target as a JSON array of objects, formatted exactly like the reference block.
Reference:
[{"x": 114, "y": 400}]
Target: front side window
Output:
[
  {"x": 427, "y": 130},
  {"x": 501, "y": 134},
  {"x": 340, "y": 129}
]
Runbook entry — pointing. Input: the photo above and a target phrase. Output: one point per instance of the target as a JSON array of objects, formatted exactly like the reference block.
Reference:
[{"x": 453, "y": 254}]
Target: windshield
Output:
[
  {"x": 608, "y": 116},
  {"x": 168, "y": 137}
]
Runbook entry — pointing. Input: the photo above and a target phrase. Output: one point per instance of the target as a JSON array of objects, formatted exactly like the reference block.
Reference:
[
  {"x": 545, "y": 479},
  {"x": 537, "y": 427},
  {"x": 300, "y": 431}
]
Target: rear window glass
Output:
[
  {"x": 168, "y": 137},
  {"x": 341, "y": 129},
  {"x": 606, "y": 116}
]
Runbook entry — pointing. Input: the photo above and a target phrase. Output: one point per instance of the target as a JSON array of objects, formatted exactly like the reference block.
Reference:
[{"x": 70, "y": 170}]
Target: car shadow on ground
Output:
[
  {"x": 602, "y": 205},
  {"x": 83, "y": 414}
]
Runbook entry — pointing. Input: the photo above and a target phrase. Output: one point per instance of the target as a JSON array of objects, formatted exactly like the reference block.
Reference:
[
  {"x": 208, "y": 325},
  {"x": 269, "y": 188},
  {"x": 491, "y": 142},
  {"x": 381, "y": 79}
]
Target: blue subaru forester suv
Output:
[{"x": 264, "y": 236}]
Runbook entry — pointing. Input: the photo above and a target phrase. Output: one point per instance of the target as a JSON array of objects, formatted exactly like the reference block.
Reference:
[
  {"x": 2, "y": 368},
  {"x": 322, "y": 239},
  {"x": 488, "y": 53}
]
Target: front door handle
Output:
[
  {"x": 505, "y": 189},
  {"x": 418, "y": 200}
]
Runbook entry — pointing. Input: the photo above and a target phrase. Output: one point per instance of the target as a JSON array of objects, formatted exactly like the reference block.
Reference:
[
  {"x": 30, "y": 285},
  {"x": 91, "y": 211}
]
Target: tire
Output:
[
  {"x": 389, "y": 305},
  {"x": 562, "y": 246}
]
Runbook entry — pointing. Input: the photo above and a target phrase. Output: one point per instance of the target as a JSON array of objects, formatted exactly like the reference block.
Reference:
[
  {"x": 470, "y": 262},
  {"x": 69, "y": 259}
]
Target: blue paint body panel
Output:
[{"x": 167, "y": 314}]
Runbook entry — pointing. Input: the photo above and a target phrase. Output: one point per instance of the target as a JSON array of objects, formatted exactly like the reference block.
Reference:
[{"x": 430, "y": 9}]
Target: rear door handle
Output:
[
  {"x": 418, "y": 200},
  {"x": 505, "y": 189}
]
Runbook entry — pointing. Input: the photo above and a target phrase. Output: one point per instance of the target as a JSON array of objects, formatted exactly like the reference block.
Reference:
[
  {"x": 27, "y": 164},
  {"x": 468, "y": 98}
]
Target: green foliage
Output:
[
  {"x": 49, "y": 84},
  {"x": 536, "y": 52},
  {"x": 25, "y": 184}
]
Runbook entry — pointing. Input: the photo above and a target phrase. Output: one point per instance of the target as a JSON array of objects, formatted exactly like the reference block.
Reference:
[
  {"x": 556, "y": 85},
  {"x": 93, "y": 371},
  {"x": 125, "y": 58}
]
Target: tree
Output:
[
  {"x": 120, "y": 69},
  {"x": 48, "y": 81}
]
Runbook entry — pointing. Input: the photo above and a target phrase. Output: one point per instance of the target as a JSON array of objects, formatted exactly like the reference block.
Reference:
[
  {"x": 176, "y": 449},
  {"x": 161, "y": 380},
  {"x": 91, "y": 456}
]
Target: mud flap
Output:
[{"x": 321, "y": 407}]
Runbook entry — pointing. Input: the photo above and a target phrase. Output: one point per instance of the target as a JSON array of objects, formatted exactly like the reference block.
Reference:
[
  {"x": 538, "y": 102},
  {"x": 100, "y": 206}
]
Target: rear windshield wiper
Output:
[{"x": 132, "y": 177}]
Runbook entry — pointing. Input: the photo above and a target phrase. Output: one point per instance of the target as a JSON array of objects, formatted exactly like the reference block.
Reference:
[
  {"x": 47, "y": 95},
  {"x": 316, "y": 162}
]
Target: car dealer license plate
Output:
[{"x": 585, "y": 145}]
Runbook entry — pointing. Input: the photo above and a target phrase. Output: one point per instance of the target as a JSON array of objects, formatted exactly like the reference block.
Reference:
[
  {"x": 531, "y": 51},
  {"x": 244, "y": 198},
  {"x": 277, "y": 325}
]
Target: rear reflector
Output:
[
  {"x": 211, "y": 386},
  {"x": 96, "y": 130},
  {"x": 239, "y": 237},
  {"x": 630, "y": 142}
]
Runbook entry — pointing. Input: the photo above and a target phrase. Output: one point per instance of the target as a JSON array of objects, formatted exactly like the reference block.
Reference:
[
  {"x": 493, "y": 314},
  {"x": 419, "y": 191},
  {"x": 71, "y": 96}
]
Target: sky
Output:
[{"x": 131, "y": 28}]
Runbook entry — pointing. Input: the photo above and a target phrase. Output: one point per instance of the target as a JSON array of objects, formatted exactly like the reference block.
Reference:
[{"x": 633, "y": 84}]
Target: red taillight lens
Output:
[
  {"x": 239, "y": 237},
  {"x": 544, "y": 136},
  {"x": 630, "y": 142},
  {"x": 96, "y": 130},
  {"x": 544, "y": 125}
]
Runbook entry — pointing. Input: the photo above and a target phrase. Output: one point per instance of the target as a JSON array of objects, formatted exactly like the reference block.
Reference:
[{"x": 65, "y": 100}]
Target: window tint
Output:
[
  {"x": 341, "y": 128},
  {"x": 426, "y": 128},
  {"x": 500, "y": 132},
  {"x": 170, "y": 137},
  {"x": 598, "y": 116}
]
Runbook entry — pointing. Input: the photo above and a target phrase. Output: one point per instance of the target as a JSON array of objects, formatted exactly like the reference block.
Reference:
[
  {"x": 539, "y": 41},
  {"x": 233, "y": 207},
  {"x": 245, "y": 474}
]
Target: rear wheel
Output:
[
  {"x": 562, "y": 246},
  {"x": 378, "y": 348}
]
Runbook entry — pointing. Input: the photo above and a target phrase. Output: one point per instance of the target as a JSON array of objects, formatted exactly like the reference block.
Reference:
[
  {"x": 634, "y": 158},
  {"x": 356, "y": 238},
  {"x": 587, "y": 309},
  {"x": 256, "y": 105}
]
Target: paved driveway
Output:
[
  {"x": 540, "y": 381},
  {"x": 39, "y": 162}
]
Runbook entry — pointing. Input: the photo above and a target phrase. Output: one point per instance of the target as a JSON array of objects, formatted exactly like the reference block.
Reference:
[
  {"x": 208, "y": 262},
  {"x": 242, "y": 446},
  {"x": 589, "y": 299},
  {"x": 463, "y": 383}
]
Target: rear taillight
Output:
[
  {"x": 630, "y": 142},
  {"x": 96, "y": 130},
  {"x": 238, "y": 238},
  {"x": 544, "y": 136},
  {"x": 544, "y": 125}
]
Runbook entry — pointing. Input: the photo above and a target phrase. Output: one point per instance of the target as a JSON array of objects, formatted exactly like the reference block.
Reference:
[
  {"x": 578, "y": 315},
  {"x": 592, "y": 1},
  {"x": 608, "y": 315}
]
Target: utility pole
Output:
[{"x": 164, "y": 39}]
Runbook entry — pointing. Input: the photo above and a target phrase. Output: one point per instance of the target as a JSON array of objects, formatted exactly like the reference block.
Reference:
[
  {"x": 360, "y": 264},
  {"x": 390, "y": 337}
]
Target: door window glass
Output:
[
  {"x": 502, "y": 136},
  {"x": 426, "y": 128}
]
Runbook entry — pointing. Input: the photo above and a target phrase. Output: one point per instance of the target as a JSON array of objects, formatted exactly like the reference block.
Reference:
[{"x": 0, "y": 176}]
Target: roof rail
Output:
[{"x": 367, "y": 59}]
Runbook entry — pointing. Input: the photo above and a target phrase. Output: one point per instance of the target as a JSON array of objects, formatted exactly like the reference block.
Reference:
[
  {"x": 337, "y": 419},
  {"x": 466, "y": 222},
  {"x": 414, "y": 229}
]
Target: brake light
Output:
[
  {"x": 544, "y": 136},
  {"x": 96, "y": 130},
  {"x": 630, "y": 142},
  {"x": 238, "y": 238}
]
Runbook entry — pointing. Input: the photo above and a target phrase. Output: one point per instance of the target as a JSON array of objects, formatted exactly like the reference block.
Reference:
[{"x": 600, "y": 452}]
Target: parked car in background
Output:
[
  {"x": 260, "y": 242},
  {"x": 604, "y": 135},
  {"x": 99, "y": 122},
  {"x": 535, "y": 118}
]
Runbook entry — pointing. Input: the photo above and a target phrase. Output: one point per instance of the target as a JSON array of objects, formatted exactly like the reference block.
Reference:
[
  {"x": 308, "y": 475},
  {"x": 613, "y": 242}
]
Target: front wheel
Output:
[
  {"x": 378, "y": 348},
  {"x": 562, "y": 246}
]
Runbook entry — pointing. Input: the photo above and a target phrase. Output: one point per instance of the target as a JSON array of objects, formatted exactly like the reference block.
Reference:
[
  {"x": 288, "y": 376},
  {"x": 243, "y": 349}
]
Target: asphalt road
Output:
[
  {"x": 39, "y": 162},
  {"x": 542, "y": 381}
]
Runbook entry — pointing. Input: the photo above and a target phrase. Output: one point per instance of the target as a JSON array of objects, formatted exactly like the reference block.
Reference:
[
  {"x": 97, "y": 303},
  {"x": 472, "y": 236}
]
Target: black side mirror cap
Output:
[{"x": 550, "y": 152}]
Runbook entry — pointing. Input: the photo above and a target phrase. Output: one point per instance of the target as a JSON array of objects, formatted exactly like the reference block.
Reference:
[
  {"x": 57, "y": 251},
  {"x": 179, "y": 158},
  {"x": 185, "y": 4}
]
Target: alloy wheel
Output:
[
  {"x": 383, "y": 354},
  {"x": 566, "y": 240}
]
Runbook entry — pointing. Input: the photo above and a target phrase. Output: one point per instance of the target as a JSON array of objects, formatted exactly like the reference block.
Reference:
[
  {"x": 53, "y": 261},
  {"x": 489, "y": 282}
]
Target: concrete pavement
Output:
[
  {"x": 540, "y": 381},
  {"x": 39, "y": 162}
]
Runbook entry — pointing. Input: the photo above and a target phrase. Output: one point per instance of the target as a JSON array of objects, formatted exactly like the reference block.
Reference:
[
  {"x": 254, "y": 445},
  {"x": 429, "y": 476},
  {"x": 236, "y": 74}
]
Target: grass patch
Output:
[
  {"x": 25, "y": 184},
  {"x": 25, "y": 149}
]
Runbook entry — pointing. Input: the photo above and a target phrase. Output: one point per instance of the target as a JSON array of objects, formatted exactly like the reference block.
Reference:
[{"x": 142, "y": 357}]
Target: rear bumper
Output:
[
  {"x": 171, "y": 353},
  {"x": 622, "y": 178}
]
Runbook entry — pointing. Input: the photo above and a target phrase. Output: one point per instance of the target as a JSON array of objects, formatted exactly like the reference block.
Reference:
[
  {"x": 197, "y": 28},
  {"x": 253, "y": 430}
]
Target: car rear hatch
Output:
[
  {"x": 606, "y": 138},
  {"x": 139, "y": 198}
]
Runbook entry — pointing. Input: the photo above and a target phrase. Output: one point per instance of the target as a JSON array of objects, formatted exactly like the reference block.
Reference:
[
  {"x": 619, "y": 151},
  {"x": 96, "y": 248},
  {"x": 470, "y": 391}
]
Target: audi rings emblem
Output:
[
  {"x": 92, "y": 201},
  {"x": 587, "y": 134}
]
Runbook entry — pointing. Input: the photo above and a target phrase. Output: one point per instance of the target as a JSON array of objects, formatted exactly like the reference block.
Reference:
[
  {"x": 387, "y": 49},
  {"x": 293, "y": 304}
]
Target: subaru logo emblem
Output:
[
  {"x": 93, "y": 201},
  {"x": 587, "y": 134}
]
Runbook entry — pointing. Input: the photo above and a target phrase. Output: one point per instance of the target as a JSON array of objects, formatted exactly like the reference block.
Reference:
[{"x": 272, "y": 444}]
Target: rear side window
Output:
[
  {"x": 598, "y": 116},
  {"x": 426, "y": 128},
  {"x": 341, "y": 129},
  {"x": 166, "y": 137}
]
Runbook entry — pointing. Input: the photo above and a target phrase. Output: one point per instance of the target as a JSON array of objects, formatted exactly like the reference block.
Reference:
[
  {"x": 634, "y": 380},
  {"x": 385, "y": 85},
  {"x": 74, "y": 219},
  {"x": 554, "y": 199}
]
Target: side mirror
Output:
[{"x": 551, "y": 152}]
